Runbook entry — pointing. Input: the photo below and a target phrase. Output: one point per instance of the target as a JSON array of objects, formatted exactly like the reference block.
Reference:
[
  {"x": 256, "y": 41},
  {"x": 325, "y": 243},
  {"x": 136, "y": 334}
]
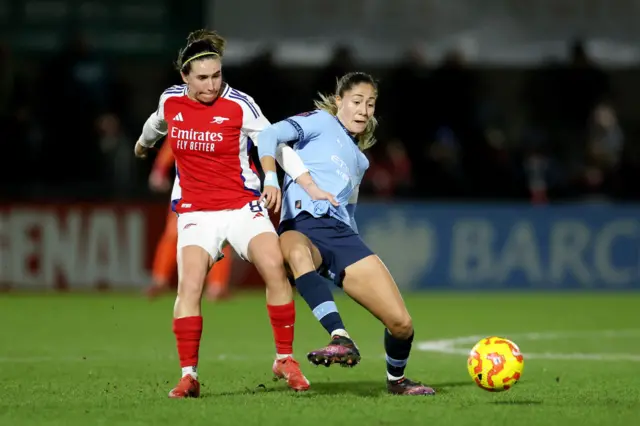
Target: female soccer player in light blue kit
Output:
[{"x": 318, "y": 234}]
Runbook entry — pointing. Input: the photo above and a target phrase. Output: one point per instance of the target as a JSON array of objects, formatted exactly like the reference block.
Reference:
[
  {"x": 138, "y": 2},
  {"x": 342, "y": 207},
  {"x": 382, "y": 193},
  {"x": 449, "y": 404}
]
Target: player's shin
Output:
[
  {"x": 188, "y": 331},
  {"x": 263, "y": 250},
  {"x": 397, "y": 354},
  {"x": 187, "y": 327},
  {"x": 316, "y": 292},
  {"x": 187, "y": 318},
  {"x": 282, "y": 312},
  {"x": 283, "y": 318}
]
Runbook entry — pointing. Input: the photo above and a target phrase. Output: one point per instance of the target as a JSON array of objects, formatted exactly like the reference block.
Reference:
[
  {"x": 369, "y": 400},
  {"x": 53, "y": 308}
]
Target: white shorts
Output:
[{"x": 212, "y": 230}]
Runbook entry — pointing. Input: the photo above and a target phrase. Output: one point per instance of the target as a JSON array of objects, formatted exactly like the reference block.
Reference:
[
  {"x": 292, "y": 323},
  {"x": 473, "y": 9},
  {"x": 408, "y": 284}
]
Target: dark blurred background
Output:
[
  {"x": 483, "y": 101},
  {"x": 493, "y": 105}
]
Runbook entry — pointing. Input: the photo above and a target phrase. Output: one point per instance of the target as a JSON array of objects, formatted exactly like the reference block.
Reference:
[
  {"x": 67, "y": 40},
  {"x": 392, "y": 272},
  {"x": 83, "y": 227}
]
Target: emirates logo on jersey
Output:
[
  {"x": 194, "y": 140},
  {"x": 196, "y": 136}
]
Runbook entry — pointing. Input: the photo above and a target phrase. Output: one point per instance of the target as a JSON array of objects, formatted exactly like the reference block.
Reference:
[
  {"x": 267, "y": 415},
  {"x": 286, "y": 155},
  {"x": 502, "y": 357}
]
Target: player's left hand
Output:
[
  {"x": 140, "y": 150},
  {"x": 158, "y": 182},
  {"x": 271, "y": 195}
]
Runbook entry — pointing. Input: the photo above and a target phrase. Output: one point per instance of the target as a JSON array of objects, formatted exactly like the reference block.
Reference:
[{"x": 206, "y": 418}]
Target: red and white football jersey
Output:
[{"x": 211, "y": 145}]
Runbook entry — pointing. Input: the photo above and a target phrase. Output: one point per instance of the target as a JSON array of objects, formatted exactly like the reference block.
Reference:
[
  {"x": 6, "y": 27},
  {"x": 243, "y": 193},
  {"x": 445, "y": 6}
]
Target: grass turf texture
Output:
[{"x": 111, "y": 359}]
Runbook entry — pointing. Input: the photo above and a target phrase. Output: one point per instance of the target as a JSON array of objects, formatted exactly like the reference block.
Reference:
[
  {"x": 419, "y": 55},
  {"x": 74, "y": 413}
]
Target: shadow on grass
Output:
[
  {"x": 517, "y": 402},
  {"x": 365, "y": 388}
]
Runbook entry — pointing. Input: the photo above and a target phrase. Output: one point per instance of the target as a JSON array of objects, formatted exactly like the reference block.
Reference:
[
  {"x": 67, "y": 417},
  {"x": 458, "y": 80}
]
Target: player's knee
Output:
[
  {"x": 270, "y": 263},
  {"x": 401, "y": 326},
  {"x": 190, "y": 287},
  {"x": 298, "y": 256}
]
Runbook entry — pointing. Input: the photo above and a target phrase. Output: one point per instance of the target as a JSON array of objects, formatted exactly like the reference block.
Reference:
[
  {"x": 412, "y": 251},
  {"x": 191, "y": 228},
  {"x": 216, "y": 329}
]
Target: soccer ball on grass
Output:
[{"x": 495, "y": 364}]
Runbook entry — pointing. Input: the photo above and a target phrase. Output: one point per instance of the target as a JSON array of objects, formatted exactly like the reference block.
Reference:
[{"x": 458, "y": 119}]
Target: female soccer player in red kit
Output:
[
  {"x": 164, "y": 262},
  {"x": 216, "y": 194}
]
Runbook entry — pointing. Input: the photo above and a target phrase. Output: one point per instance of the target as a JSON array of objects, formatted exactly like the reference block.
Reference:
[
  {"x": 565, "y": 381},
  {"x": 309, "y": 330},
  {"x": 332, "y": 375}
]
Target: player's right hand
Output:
[
  {"x": 307, "y": 183},
  {"x": 318, "y": 194},
  {"x": 140, "y": 151},
  {"x": 271, "y": 195}
]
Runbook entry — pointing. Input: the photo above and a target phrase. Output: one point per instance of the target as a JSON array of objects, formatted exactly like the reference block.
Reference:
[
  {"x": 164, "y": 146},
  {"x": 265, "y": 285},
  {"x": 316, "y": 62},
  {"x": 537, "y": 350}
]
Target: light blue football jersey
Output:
[{"x": 332, "y": 156}]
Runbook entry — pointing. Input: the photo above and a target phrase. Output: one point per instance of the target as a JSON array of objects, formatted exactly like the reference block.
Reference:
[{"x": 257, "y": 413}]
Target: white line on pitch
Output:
[{"x": 451, "y": 346}]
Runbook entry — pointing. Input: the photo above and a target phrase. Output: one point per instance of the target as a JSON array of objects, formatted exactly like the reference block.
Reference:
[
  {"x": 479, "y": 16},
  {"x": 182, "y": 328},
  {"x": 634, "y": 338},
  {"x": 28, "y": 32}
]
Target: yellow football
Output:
[{"x": 495, "y": 364}]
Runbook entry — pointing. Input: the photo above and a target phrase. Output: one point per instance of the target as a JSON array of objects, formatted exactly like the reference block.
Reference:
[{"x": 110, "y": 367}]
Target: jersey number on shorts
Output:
[{"x": 255, "y": 207}]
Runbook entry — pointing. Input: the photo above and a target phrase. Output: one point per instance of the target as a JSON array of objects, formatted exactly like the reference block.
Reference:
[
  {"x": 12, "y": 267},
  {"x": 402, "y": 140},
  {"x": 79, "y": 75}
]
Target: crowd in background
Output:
[{"x": 70, "y": 126}]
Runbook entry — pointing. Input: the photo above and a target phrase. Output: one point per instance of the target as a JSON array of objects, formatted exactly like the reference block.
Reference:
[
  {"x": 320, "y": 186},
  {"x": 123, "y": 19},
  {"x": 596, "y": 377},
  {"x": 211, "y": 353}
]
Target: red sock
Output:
[
  {"x": 283, "y": 317},
  {"x": 188, "y": 331}
]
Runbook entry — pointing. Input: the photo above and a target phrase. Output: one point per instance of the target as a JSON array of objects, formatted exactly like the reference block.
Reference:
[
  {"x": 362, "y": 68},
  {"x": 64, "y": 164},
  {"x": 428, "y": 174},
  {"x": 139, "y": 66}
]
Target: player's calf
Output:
[{"x": 397, "y": 350}]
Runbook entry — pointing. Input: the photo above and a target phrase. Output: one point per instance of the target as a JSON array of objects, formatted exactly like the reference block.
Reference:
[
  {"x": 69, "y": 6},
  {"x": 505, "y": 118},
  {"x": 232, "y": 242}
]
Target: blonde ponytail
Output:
[{"x": 326, "y": 103}]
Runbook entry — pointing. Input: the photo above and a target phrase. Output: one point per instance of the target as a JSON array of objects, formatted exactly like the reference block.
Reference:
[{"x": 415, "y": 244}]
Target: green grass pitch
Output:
[{"x": 109, "y": 359}]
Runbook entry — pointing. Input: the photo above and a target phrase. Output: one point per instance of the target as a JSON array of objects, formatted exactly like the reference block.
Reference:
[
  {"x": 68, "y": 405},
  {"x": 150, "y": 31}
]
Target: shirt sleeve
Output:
[
  {"x": 308, "y": 125},
  {"x": 275, "y": 135},
  {"x": 155, "y": 128},
  {"x": 255, "y": 125},
  {"x": 253, "y": 121},
  {"x": 299, "y": 128}
]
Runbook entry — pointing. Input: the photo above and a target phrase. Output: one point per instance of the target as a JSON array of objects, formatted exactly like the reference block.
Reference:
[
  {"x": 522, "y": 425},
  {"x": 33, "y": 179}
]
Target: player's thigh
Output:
[
  {"x": 193, "y": 266},
  {"x": 200, "y": 238},
  {"x": 370, "y": 284},
  {"x": 253, "y": 237},
  {"x": 300, "y": 254}
]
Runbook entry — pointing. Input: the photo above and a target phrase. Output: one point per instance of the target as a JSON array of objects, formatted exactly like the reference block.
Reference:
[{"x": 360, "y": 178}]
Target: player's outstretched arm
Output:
[
  {"x": 270, "y": 139},
  {"x": 268, "y": 142},
  {"x": 273, "y": 143},
  {"x": 273, "y": 139}
]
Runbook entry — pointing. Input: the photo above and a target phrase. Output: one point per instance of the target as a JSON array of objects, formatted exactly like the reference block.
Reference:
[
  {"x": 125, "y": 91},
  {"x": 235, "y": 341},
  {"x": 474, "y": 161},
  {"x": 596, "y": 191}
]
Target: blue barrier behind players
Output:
[{"x": 439, "y": 246}]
